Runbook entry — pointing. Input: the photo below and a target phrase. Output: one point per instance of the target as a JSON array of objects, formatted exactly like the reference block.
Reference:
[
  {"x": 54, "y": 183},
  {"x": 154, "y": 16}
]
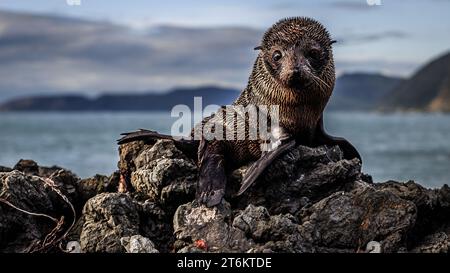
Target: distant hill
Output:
[
  {"x": 361, "y": 91},
  {"x": 427, "y": 90},
  {"x": 353, "y": 92},
  {"x": 123, "y": 102}
]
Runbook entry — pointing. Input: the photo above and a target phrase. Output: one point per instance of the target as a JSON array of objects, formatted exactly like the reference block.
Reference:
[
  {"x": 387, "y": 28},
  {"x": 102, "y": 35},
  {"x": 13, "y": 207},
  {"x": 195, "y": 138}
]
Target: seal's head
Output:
[{"x": 297, "y": 53}]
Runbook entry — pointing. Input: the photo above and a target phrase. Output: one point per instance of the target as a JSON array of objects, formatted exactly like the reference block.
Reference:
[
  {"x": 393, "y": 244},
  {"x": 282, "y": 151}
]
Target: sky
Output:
[{"x": 112, "y": 46}]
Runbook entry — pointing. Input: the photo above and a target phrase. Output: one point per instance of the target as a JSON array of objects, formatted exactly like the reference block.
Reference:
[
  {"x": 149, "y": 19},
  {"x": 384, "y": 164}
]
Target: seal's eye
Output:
[
  {"x": 276, "y": 56},
  {"x": 314, "y": 54}
]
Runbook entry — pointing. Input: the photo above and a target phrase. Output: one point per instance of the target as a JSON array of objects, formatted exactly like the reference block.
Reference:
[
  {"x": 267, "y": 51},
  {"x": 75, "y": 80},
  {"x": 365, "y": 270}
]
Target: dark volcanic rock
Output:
[
  {"x": 27, "y": 166},
  {"x": 358, "y": 217},
  {"x": 308, "y": 200},
  {"x": 4, "y": 169},
  {"x": 90, "y": 187},
  {"x": 277, "y": 233},
  {"x": 161, "y": 173},
  {"x": 434, "y": 243},
  {"x": 303, "y": 175},
  {"x": 31, "y": 167},
  {"x": 106, "y": 219},
  {"x": 156, "y": 224},
  {"x": 18, "y": 230},
  {"x": 193, "y": 223},
  {"x": 31, "y": 197}
]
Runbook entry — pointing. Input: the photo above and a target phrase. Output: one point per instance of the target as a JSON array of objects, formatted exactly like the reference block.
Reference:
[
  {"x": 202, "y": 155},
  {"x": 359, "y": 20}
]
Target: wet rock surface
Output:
[{"x": 308, "y": 200}]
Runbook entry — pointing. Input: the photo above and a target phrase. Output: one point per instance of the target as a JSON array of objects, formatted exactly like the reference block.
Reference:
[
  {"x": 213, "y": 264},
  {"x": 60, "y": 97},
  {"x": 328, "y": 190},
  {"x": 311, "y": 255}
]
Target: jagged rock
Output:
[
  {"x": 31, "y": 167},
  {"x": 277, "y": 233},
  {"x": 107, "y": 218},
  {"x": 433, "y": 206},
  {"x": 193, "y": 222},
  {"x": 249, "y": 220},
  {"x": 138, "y": 244},
  {"x": 18, "y": 230},
  {"x": 434, "y": 243},
  {"x": 349, "y": 220},
  {"x": 42, "y": 190},
  {"x": 127, "y": 153},
  {"x": 309, "y": 200},
  {"x": 49, "y": 171},
  {"x": 27, "y": 166},
  {"x": 259, "y": 225},
  {"x": 4, "y": 169},
  {"x": 163, "y": 174},
  {"x": 89, "y": 187},
  {"x": 66, "y": 182},
  {"x": 156, "y": 224},
  {"x": 300, "y": 177}
]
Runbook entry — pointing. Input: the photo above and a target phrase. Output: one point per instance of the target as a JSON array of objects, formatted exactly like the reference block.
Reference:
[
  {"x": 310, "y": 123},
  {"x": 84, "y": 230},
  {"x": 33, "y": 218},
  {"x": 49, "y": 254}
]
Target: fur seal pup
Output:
[{"x": 294, "y": 70}]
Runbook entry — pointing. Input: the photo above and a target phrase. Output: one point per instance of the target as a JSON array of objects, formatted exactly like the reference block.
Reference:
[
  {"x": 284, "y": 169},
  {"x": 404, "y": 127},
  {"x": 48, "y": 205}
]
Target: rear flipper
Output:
[
  {"x": 212, "y": 178},
  {"x": 322, "y": 138},
  {"x": 142, "y": 134},
  {"x": 188, "y": 146}
]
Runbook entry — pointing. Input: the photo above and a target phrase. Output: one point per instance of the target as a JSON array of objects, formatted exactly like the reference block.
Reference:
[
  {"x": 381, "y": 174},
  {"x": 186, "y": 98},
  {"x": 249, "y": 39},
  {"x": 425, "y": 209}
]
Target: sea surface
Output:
[{"x": 403, "y": 146}]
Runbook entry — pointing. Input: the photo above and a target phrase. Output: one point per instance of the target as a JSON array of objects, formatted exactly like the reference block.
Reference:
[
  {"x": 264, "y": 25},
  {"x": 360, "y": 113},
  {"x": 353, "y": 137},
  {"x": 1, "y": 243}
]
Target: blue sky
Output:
[{"x": 394, "y": 38}]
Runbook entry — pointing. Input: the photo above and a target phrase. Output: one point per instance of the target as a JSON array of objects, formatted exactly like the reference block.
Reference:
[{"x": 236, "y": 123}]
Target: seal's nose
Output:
[
  {"x": 297, "y": 71},
  {"x": 300, "y": 64}
]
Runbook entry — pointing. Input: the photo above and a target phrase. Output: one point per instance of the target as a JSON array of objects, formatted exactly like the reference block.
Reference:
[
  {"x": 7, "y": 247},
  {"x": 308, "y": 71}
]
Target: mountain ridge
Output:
[
  {"x": 361, "y": 91},
  {"x": 347, "y": 96},
  {"x": 123, "y": 101},
  {"x": 427, "y": 90}
]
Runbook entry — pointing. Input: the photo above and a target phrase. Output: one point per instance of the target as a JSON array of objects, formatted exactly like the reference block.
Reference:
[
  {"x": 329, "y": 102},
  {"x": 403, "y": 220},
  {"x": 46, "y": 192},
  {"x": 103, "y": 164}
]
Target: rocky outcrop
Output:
[
  {"x": 38, "y": 206},
  {"x": 308, "y": 200},
  {"x": 106, "y": 219}
]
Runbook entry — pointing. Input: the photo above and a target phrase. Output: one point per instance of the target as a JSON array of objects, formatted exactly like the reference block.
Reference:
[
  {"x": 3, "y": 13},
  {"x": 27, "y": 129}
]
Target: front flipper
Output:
[
  {"x": 322, "y": 138},
  {"x": 257, "y": 168},
  {"x": 212, "y": 178}
]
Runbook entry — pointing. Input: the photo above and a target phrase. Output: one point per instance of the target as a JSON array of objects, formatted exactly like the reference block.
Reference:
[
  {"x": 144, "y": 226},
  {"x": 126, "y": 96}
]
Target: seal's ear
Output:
[{"x": 258, "y": 48}]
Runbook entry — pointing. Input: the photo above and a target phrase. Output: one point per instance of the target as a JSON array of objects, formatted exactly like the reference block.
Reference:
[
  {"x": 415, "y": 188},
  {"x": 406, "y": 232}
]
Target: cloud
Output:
[
  {"x": 57, "y": 54},
  {"x": 53, "y": 54},
  {"x": 373, "y": 37}
]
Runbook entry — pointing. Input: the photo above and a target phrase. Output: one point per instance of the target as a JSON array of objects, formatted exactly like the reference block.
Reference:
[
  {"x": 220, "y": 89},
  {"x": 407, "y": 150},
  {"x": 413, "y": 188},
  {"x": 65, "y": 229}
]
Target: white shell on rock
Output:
[
  {"x": 73, "y": 247},
  {"x": 373, "y": 247}
]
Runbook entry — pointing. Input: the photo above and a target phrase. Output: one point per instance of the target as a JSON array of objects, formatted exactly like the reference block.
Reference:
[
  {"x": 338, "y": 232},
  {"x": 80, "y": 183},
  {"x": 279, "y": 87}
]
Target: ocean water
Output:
[{"x": 393, "y": 146}]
